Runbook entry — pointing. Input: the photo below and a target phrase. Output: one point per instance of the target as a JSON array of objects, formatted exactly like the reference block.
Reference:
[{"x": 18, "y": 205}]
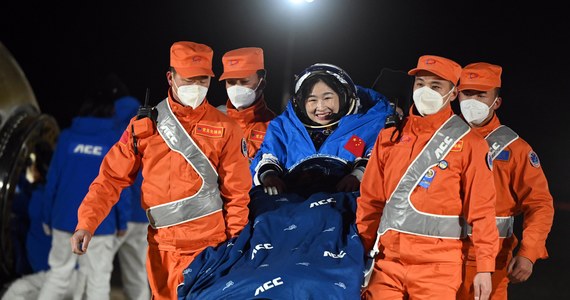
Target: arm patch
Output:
[
  {"x": 533, "y": 158},
  {"x": 243, "y": 147},
  {"x": 489, "y": 161}
]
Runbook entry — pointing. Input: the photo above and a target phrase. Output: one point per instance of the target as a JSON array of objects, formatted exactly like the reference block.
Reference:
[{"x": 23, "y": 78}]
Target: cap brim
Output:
[
  {"x": 476, "y": 87},
  {"x": 413, "y": 71},
  {"x": 194, "y": 72},
  {"x": 416, "y": 70},
  {"x": 237, "y": 74}
]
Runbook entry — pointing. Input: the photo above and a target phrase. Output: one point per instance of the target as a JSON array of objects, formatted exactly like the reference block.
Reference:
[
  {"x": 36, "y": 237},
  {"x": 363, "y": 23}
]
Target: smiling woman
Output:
[
  {"x": 323, "y": 94},
  {"x": 322, "y": 104},
  {"x": 329, "y": 118}
]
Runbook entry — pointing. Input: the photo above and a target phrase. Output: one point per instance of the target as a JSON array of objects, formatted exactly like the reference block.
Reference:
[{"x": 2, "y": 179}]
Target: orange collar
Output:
[
  {"x": 431, "y": 122},
  {"x": 187, "y": 113},
  {"x": 490, "y": 126},
  {"x": 258, "y": 112}
]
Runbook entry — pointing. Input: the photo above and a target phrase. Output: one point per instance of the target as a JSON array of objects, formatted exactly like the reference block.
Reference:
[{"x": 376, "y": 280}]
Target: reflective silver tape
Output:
[
  {"x": 399, "y": 214},
  {"x": 207, "y": 200},
  {"x": 499, "y": 139}
]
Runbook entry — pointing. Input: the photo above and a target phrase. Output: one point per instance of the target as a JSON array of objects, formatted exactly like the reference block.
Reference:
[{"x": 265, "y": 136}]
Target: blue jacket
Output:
[
  {"x": 75, "y": 164},
  {"x": 288, "y": 144},
  {"x": 38, "y": 243}
]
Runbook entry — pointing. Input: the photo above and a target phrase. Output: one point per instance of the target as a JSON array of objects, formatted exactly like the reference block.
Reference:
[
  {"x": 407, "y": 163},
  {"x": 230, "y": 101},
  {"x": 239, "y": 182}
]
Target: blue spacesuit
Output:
[{"x": 288, "y": 149}]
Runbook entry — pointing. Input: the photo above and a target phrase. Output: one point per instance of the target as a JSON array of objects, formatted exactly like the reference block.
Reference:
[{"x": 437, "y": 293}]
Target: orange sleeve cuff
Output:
[
  {"x": 532, "y": 254},
  {"x": 485, "y": 266},
  {"x": 84, "y": 226}
]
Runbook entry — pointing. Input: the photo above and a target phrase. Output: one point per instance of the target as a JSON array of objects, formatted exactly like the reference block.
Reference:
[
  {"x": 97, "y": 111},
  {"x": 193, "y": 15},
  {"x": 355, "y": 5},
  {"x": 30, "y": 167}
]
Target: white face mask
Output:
[
  {"x": 241, "y": 96},
  {"x": 428, "y": 101},
  {"x": 474, "y": 111},
  {"x": 191, "y": 95}
]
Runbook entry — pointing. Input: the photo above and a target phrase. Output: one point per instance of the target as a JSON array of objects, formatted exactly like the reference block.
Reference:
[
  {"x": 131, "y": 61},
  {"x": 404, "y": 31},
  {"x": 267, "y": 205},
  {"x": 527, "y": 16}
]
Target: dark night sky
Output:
[
  {"x": 63, "y": 54},
  {"x": 64, "y": 48}
]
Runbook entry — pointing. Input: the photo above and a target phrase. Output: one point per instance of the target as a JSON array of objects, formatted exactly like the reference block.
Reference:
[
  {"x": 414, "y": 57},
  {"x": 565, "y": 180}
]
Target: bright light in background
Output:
[
  {"x": 300, "y": 1},
  {"x": 297, "y": 6}
]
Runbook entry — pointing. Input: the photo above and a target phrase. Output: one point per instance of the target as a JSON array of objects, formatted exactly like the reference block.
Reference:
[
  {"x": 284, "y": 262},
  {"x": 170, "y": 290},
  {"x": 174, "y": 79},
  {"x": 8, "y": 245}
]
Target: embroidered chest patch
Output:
[
  {"x": 504, "y": 155},
  {"x": 458, "y": 146},
  {"x": 210, "y": 131},
  {"x": 256, "y": 135},
  {"x": 427, "y": 179},
  {"x": 355, "y": 145}
]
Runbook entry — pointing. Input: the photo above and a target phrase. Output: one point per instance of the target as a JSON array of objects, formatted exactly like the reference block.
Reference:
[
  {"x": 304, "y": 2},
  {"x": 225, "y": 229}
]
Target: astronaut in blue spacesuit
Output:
[
  {"x": 323, "y": 139},
  {"x": 307, "y": 177}
]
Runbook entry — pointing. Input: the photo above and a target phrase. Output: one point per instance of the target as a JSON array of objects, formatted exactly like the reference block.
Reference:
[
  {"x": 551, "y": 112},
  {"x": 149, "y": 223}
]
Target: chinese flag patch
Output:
[
  {"x": 211, "y": 131},
  {"x": 355, "y": 145},
  {"x": 125, "y": 137},
  {"x": 256, "y": 135}
]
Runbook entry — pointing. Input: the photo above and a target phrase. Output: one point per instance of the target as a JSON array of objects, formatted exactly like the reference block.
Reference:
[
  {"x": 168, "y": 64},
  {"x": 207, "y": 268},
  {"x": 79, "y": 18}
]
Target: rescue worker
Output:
[
  {"x": 244, "y": 73},
  {"x": 427, "y": 176},
  {"x": 74, "y": 165},
  {"x": 322, "y": 140},
  {"x": 131, "y": 248},
  {"x": 520, "y": 182},
  {"x": 194, "y": 164}
]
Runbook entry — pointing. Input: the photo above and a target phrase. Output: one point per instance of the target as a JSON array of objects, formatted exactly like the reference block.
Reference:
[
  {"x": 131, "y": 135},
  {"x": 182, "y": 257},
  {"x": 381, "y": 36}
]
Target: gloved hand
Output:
[
  {"x": 273, "y": 184},
  {"x": 47, "y": 229},
  {"x": 348, "y": 183}
]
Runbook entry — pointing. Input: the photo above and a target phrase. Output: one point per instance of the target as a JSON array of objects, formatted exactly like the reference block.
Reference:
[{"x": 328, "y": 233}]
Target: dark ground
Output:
[{"x": 550, "y": 279}]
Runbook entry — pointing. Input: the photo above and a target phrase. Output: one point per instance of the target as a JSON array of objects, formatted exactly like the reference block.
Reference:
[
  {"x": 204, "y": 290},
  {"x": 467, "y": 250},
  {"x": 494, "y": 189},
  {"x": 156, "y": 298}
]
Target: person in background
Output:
[
  {"x": 522, "y": 188},
  {"x": 38, "y": 244},
  {"x": 132, "y": 247},
  {"x": 194, "y": 163},
  {"x": 321, "y": 142},
  {"x": 245, "y": 76},
  {"x": 75, "y": 164},
  {"x": 19, "y": 221},
  {"x": 427, "y": 176}
]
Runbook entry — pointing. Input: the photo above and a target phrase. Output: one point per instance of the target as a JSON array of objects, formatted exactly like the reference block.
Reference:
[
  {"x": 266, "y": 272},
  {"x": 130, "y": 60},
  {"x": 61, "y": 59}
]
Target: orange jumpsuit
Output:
[
  {"x": 423, "y": 267},
  {"x": 253, "y": 121},
  {"x": 521, "y": 189},
  {"x": 169, "y": 177}
]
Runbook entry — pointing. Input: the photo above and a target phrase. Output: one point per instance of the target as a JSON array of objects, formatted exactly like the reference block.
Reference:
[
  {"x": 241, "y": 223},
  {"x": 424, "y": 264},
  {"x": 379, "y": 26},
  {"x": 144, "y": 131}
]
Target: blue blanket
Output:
[{"x": 292, "y": 248}]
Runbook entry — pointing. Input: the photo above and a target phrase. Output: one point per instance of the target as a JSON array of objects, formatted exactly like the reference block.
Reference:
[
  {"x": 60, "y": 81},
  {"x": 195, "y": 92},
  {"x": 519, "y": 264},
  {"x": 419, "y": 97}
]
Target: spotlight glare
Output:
[{"x": 296, "y": 2}]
